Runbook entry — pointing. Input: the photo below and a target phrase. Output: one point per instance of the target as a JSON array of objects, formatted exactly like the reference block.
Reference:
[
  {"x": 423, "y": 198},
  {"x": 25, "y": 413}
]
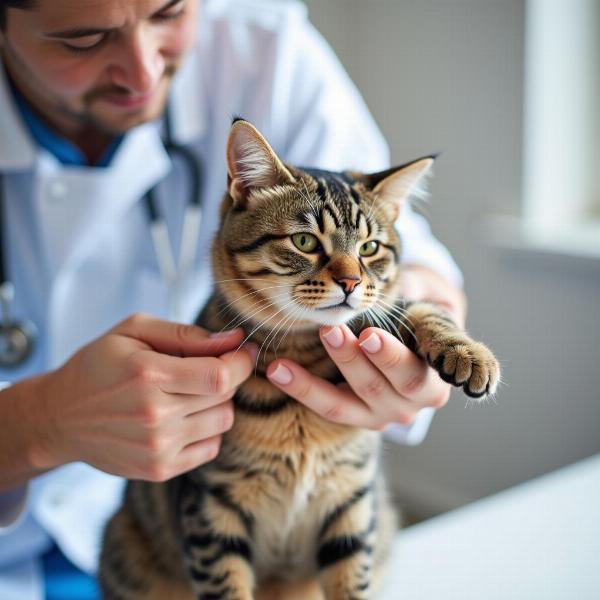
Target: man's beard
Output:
[{"x": 87, "y": 120}]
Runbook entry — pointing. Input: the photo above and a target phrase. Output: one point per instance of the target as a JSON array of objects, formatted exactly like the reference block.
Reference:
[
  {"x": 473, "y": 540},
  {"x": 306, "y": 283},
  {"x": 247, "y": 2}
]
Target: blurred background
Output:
[{"x": 507, "y": 91}]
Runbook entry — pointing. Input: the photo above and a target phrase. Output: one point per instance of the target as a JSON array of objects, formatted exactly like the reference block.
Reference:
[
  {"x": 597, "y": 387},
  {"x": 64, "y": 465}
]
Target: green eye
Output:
[
  {"x": 369, "y": 248},
  {"x": 306, "y": 242}
]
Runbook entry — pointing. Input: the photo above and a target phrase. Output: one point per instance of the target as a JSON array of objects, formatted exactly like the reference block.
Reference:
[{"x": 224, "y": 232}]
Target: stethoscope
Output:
[{"x": 18, "y": 336}]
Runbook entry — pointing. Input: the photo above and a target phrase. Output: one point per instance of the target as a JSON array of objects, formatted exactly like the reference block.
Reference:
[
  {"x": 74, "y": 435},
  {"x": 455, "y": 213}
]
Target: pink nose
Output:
[{"x": 348, "y": 282}]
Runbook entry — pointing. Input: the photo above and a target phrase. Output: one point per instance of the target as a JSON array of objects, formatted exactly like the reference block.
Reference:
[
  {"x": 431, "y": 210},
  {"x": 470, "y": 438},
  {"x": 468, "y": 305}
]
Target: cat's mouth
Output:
[
  {"x": 334, "y": 314},
  {"x": 343, "y": 303}
]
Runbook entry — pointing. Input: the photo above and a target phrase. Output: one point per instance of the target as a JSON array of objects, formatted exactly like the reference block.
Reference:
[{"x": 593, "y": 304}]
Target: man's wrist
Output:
[
  {"x": 424, "y": 284},
  {"x": 28, "y": 412}
]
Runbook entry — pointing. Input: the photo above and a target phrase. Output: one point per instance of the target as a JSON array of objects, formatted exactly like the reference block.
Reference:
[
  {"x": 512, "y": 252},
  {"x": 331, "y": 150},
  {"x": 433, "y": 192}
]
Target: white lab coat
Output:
[{"x": 80, "y": 251}]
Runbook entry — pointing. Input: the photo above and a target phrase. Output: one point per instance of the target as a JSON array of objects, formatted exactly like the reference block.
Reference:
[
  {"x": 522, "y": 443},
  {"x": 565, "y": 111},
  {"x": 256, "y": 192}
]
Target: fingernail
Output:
[
  {"x": 281, "y": 375},
  {"x": 223, "y": 334},
  {"x": 334, "y": 337},
  {"x": 252, "y": 350},
  {"x": 372, "y": 344}
]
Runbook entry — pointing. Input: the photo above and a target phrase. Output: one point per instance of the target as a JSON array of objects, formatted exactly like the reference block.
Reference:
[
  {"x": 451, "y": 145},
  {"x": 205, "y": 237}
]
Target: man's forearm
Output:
[{"x": 22, "y": 437}]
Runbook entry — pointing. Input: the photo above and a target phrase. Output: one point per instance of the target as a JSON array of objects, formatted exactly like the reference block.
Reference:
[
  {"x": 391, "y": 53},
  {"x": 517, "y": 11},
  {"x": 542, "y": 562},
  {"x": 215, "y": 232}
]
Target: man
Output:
[{"x": 83, "y": 88}]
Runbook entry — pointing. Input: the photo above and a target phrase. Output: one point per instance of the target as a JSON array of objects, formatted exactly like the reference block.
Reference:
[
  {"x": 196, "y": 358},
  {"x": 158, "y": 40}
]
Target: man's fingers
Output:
[
  {"x": 207, "y": 375},
  {"x": 178, "y": 339},
  {"x": 196, "y": 454},
  {"x": 207, "y": 423},
  {"x": 326, "y": 399},
  {"x": 359, "y": 372},
  {"x": 409, "y": 375}
]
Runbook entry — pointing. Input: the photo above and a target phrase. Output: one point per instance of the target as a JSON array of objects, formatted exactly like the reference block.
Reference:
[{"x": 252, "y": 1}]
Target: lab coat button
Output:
[
  {"x": 58, "y": 189},
  {"x": 57, "y": 499}
]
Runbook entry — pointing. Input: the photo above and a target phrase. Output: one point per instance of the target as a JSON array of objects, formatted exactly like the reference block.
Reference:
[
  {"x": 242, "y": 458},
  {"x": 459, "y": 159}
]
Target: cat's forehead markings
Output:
[
  {"x": 354, "y": 213},
  {"x": 364, "y": 230},
  {"x": 330, "y": 221}
]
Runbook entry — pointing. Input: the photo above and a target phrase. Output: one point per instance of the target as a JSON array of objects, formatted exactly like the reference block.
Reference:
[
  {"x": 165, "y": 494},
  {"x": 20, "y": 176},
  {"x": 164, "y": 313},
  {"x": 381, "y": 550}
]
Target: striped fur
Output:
[{"x": 294, "y": 506}]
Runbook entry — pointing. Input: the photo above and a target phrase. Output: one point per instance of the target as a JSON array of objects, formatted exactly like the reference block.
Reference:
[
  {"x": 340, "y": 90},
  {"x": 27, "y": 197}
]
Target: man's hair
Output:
[{"x": 4, "y": 4}]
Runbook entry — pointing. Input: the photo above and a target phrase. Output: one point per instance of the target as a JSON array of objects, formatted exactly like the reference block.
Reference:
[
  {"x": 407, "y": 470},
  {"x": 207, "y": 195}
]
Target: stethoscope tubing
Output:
[{"x": 172, "y": 272}]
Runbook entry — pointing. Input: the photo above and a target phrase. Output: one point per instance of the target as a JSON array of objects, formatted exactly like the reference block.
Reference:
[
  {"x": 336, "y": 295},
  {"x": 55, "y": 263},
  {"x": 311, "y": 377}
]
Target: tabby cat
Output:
[{"x": 294, "y": 506}]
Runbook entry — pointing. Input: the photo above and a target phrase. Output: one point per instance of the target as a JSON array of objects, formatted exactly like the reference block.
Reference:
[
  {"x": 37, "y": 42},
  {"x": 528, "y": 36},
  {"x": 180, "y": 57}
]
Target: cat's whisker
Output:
[
  {"x": 273, "y": 330},
  {"x": 262, "y": 324},
  {"x": 371, "y": 210},
  {"x": 268, "y": 301},
  {"x": 306, "y": 196},
  {"x": 272, "y": 333},
  {"x": 242, "y": 279},
  {"x": 280, "y": 326},
  {"x": 386, "y": 319},
  {"x": 374, "y": 318},
  {"x": 244, "y": 317},
  {"x": 257, "y": 291},
  {"x": 401, "y": 315},
  {"x": 395, "y": 308},
  {"x": 297, "y": 313}
]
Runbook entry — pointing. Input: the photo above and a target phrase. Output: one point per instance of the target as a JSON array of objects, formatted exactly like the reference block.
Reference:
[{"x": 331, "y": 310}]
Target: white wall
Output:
[{"x": 446, "y": 75}]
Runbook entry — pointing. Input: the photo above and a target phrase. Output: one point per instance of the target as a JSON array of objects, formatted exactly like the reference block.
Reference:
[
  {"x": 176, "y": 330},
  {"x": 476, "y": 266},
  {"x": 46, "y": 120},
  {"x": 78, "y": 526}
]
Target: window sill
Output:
[{"x": 572, "y": 243}]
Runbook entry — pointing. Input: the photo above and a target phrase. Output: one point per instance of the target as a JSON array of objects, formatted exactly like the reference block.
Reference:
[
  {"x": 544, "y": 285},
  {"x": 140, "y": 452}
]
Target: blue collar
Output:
[{"x": 63, "y": 150}]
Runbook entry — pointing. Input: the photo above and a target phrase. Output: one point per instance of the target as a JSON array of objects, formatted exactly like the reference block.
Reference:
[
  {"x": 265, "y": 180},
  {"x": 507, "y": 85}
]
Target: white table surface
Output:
[{"x": 538, "y": 540}]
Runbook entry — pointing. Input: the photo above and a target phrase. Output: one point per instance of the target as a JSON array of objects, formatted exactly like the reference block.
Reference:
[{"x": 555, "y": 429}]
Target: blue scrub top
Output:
[{"x": 65, "y": 151}]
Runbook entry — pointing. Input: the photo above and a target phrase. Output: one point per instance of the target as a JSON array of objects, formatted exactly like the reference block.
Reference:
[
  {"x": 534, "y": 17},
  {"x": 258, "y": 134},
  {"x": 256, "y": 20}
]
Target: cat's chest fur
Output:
[
  {"x": 287, "y": 530},
  {"x": 295, "y": 465}
]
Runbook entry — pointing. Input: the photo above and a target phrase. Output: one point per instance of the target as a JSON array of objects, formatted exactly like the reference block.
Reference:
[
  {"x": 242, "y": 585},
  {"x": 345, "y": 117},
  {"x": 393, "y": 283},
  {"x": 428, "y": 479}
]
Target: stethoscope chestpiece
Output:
[{"x": 17, "y": 338}]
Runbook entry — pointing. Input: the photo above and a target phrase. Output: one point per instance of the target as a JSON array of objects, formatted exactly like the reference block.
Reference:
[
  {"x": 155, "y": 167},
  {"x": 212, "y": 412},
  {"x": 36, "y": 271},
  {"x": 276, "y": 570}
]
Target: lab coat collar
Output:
[
  {"x": 17, "y": 149},
  {"x": 98, "y": 196}
]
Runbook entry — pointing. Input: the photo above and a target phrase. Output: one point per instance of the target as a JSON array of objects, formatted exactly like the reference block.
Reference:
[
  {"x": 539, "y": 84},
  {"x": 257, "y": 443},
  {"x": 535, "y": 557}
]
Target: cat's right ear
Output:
[
  {"x": 251, "y": 163},
  {"x": 395, "y": 186}
]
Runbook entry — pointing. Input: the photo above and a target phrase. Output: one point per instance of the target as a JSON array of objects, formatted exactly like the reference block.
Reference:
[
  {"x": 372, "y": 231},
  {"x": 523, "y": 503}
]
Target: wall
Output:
[{"x": 446, "y": 75}]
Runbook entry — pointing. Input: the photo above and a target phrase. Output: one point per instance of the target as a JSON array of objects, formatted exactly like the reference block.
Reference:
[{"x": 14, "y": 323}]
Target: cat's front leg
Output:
[
  {"x": 354, "y": 543},
  {"x": 349, "y": 578},
  {"x": 216, "y": 545},
  {"x": 432, "y": 334}
]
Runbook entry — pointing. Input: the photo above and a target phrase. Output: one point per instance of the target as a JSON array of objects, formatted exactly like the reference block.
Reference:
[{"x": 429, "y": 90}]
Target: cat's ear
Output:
[
  {"x": 394, "y": 186},
  {"x": 251, "y": 163}
]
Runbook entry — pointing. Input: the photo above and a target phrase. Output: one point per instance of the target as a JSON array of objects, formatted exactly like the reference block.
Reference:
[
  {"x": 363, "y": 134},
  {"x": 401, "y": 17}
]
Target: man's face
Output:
[{"x": 105, "y": 64}]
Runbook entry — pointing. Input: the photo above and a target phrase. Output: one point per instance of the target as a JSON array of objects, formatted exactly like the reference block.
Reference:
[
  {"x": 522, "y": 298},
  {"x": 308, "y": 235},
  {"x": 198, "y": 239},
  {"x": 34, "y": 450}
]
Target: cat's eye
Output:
[
  {"x": 306, "y": 242},
  {"x": 368, "y": 248}
]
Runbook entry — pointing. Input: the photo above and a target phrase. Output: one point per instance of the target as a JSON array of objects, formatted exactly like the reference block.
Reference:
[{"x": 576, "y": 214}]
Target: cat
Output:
[{"x": 294, "y": 506}]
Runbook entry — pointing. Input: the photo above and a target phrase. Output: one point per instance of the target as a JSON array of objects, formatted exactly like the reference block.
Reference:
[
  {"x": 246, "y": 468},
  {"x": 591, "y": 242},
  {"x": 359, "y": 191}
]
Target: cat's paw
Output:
[{"x": 468, "y": 364}]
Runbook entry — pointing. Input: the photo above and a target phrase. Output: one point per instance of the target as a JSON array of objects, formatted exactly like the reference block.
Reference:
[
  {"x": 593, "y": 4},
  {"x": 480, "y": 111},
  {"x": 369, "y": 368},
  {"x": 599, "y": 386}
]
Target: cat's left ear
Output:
[
  {"x": 251, "y": 163},
  {"x": 394, "y": 186}
]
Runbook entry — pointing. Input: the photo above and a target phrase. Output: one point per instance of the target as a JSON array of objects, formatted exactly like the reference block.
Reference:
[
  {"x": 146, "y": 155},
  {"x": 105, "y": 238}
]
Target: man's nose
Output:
[
  {"x": 140, "y": 65},
  {"x": 348, "y": 282}
]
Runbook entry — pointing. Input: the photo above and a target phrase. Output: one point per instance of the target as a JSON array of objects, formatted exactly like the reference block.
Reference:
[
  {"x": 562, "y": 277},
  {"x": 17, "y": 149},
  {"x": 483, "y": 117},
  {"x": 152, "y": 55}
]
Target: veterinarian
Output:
[{"x": 96, "y": 189}]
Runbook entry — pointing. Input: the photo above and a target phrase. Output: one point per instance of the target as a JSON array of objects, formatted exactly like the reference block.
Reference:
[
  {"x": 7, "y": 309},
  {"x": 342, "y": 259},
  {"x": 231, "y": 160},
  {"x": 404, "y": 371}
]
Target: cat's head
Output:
[{"x": 304, "y": 246}]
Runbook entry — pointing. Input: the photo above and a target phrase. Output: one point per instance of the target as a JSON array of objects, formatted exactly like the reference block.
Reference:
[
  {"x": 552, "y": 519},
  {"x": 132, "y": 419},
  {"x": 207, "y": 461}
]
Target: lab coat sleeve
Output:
[
  {"x": 13, "y": 502},
  {"x": 327, "y": 124}
]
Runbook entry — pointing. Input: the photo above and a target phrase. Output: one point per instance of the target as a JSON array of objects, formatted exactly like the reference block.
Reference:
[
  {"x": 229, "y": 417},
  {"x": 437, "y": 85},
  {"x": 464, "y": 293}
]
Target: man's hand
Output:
[
  {"x": 385, "y": 382},
  {"x": 148, "y": 400}
]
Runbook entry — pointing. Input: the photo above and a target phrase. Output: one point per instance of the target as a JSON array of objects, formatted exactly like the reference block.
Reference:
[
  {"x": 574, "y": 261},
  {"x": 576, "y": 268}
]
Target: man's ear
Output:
[
  {"x": 251, "y": 163},
  {"x": 394, "y": 186}
]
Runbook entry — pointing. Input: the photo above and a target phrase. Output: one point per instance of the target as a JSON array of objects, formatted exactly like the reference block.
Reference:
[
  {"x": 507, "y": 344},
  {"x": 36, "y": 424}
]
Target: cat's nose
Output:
[{"x": 348, "y": 282}]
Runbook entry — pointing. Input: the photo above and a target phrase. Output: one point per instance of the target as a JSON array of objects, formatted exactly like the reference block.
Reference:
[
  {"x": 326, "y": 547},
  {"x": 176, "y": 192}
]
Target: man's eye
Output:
[
  {"x": 82, "y": 44},
  {"x": 172, "y": 12}
]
